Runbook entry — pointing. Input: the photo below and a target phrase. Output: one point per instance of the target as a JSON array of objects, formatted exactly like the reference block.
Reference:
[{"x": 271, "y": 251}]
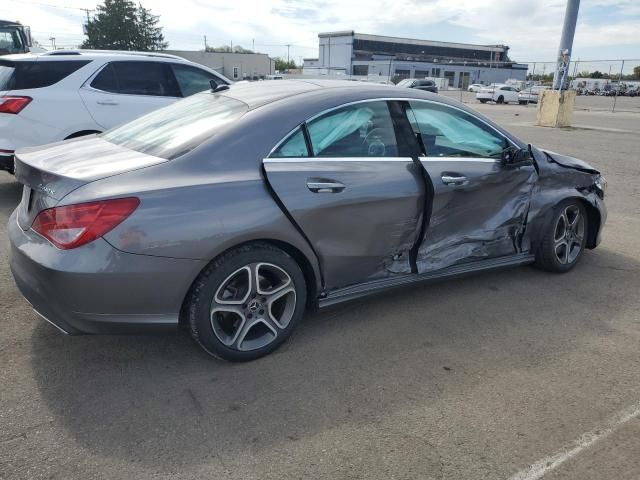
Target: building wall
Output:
[
  {"x": 244, "y": 65},
  {"x": 336, "y": 52}
]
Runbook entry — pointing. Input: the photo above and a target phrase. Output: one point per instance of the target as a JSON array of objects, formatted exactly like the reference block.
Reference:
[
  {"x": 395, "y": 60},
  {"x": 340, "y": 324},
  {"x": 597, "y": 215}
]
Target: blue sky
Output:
[{"x": 607, "y": 29}]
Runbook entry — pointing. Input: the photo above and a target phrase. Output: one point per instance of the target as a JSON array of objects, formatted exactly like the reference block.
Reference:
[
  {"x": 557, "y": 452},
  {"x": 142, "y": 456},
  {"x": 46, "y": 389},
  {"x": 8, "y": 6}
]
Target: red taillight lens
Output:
[
  {"x": 11, "y": 104},
  {"x": 74, "y": 225}
]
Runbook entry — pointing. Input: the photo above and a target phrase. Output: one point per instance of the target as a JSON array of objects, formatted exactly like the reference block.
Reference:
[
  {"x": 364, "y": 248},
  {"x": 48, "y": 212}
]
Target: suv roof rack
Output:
[{"x": 111, "y": 52}]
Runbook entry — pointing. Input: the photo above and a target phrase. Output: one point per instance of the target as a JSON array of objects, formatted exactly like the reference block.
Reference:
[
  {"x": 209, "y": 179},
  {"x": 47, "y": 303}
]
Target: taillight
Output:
[
  {"x": 71, "y": 226},
  {"x": 14, "y": 105}
]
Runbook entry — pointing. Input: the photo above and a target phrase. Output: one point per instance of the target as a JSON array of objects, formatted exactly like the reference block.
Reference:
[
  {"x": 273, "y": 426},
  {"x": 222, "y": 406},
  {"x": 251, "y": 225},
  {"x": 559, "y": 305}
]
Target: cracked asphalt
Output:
[{"x": 475, "y": 378}]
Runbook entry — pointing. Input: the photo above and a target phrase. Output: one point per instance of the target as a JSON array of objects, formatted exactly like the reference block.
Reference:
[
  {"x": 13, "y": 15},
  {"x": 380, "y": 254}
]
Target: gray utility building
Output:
[
  {"x": 358, "y": 54},
  {"x": 235, "y": 66}
]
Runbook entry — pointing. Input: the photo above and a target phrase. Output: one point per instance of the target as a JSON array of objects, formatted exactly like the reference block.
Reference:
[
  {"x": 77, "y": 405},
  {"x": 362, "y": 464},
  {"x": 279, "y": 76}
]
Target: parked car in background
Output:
[
  {"x": 475, "y": 87},
  {"x": 499, "y": 93},
  {"x": 63, "y": 94},
  {"x": 426, "y": 85},
  {"x": 233, "y": 211},
  {"x": 530, "y": 94}
]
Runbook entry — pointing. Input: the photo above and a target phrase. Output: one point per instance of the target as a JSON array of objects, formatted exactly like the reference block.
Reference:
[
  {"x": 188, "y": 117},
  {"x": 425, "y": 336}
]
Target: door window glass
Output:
[
  {"x": 447, "y": 132},
  {"x": 361, "y": 130},
  {"x": 145, "y": 78},
  {"x": 106, "y": 80},
  {"x": 192, "y": 80},
  {"x": 294, "y": 146}
]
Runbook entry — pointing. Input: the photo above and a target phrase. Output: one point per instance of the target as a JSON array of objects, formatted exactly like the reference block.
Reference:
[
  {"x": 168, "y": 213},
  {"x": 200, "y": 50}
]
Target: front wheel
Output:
[
  {"x": 500, "y": 100},
  {"x": 247, "y": 302},
  {"x": 564, "y": 241}
]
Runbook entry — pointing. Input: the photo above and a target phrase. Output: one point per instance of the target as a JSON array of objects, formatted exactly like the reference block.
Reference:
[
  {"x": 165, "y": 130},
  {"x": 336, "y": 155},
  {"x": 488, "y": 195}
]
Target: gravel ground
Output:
[{"x": 477, "y": 378}]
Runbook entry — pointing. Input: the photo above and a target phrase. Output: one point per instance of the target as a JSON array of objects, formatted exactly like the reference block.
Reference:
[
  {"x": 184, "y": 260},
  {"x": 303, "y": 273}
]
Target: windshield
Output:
[{"x": 175, "y": 130}]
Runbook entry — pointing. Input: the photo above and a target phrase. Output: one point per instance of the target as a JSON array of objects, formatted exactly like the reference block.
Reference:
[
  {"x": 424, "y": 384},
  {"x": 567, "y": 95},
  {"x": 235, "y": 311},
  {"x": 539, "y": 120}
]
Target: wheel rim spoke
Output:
[
  {"x": 252, "y": 306},
  {"x": 569, "y": 235}
]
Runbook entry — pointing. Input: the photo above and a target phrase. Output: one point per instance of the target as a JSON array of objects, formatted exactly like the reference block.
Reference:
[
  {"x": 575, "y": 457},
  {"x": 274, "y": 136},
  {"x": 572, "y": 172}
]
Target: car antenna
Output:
[{"x": 217, "y": 88}]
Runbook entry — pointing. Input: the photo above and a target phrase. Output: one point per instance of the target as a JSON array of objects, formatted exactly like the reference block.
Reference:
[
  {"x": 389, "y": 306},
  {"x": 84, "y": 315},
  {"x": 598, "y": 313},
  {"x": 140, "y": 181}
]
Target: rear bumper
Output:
[
  {"x": 484, "y": 96},
  {"x": 97, "y": 289}
]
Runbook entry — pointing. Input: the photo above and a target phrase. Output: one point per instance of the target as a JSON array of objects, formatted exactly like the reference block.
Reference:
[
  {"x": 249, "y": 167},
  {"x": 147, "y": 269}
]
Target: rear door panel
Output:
[{"x": 362, "y": 232}]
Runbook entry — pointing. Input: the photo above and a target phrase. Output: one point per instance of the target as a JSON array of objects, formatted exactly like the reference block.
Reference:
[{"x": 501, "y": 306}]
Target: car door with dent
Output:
[
  {"x": 356, "y": 194},
  {"x": 479, "y": 205}
]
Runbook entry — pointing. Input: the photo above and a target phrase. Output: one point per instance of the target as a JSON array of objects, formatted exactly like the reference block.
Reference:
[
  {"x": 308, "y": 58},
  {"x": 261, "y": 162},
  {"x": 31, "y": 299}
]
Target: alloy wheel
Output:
[
  {"x": 568, "y": 235},
  {"x": 253, "y": 306}
]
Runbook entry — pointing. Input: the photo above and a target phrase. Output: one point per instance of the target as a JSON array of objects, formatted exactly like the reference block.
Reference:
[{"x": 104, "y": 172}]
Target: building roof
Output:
[{"x": 412, "y": 41}]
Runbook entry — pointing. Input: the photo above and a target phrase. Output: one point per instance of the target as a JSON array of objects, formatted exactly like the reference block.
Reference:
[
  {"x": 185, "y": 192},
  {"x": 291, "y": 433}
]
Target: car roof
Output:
[
  {"x": 328, "y": 92},
  {"x": 74, "y": 54}
]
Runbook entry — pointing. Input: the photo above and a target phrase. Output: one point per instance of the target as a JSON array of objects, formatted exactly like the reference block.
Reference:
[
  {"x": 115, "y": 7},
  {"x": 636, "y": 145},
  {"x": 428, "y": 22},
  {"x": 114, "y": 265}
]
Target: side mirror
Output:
[{"x": 516, "y": 157}]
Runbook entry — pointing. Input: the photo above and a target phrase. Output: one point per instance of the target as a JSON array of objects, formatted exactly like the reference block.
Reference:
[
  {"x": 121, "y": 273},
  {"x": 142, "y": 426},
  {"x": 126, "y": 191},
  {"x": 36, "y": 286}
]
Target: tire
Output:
[
  {"x": 500, "y": 100},
  {"x": 561, "y": 248},
  {"x": 232, "y": 316}
]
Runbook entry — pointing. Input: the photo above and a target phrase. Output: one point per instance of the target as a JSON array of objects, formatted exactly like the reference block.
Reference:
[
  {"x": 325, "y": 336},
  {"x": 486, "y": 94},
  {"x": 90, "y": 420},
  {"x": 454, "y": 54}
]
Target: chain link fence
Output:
[{"x": 616, "y": 82}]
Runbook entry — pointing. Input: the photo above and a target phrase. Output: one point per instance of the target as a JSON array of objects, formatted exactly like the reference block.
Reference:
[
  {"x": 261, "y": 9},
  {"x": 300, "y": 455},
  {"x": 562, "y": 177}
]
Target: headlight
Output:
[{"x": 601, "y": 184}]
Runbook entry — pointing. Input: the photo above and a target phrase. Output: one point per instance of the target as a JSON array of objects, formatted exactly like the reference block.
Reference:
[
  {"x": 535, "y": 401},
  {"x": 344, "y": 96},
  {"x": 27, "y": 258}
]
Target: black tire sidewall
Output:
[
  {"x": 548, "y": 245},
  {"x": 210, "y": 280}
]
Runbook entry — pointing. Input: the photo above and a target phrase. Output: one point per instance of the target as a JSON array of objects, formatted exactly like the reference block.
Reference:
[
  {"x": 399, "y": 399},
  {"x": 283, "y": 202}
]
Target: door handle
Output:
[
  {"x": 321, "y": 185},
  {"x": 454, "y": 180},
  {"x": 107, "y": 102}
]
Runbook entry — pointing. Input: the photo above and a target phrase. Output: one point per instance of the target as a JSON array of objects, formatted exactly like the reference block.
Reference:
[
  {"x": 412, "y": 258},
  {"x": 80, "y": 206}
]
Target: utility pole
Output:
[
  {"x": 204, "y": 37},
  {"x": 288, "y": 47},
  {"x": 53, "y": 42},
  {"x": 253, "y": 45},
  {"x": 566, "y": 44}
]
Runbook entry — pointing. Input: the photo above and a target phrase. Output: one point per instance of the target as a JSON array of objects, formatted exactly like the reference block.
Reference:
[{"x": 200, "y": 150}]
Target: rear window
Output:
[
  {"x": 182, "y": 126},
  {"x": 36, "y": 74}
]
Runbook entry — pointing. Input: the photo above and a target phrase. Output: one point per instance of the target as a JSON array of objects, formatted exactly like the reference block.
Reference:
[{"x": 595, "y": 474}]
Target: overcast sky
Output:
[{"x": 607, "y": 29}]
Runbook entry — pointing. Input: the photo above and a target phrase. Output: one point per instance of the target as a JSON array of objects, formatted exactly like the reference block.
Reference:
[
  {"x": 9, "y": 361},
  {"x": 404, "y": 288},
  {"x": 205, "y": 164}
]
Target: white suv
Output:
[{"x": 64, "y": 94}]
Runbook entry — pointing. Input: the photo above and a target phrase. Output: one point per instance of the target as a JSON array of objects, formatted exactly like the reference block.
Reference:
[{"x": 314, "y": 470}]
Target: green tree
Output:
[
  {"x": 228, "y": 49},
  {"x": 282, "y": 64},
  {"x": 636, "y": 72},
  {"x": 120, "y": 25}
]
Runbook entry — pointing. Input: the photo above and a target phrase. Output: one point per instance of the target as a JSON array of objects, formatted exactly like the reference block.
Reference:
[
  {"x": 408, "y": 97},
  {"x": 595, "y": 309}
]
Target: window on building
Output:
[
  {"x": 403, "y": 73},
  {"x": 361, "y": 130},
  {"x": 361, "y": 70},
  {"x": 235, "y": 73}
]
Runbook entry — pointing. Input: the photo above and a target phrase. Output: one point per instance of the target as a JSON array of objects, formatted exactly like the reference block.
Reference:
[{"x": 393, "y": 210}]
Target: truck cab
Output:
[{"x": 14, "y": 38}]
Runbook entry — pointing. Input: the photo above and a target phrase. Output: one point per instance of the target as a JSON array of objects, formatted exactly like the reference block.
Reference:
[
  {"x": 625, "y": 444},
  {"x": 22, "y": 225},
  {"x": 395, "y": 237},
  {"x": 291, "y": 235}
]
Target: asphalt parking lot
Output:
[{"x": 508, "y": 375}]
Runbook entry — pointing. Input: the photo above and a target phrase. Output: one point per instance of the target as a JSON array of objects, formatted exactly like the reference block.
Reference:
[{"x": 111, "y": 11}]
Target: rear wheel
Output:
[
  {"x": 500, "y": 100},
  {"x": 564, "y": 241},
  {"x": 247, "y": 302}
]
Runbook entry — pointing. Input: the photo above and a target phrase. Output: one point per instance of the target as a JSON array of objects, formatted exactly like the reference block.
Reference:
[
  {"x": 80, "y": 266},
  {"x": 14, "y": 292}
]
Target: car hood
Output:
[{"x": 569, "y": 162}]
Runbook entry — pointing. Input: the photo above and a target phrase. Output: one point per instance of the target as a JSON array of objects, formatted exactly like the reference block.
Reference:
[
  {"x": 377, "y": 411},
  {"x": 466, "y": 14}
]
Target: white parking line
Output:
[{"x": 547, "y": 464}]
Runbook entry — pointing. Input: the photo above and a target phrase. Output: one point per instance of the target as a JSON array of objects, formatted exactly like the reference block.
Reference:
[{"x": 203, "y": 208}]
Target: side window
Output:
[
  {"x": 294, "y": 146},
  {"x": 447, "y": 132},
  {"x": 192, "y": 80},
  {"x": 106, "y": 80},
  {"x": 146, "y": 78},
  {"x": 360, "y": 130}
]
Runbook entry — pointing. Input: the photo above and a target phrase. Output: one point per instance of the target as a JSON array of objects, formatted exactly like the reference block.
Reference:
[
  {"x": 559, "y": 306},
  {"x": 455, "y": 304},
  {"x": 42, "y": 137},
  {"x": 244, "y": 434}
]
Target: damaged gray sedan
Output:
[{"x": 234, "y": 211}]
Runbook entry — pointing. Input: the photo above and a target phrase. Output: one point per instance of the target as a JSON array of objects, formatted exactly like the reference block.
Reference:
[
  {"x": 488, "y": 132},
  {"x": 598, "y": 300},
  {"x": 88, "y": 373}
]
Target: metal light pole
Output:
[{"x": 566, "y": 44}]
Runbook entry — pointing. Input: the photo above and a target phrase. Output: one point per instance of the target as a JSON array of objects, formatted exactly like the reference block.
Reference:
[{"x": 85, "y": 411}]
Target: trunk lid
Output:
[{"x": 52, "y": 172}]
